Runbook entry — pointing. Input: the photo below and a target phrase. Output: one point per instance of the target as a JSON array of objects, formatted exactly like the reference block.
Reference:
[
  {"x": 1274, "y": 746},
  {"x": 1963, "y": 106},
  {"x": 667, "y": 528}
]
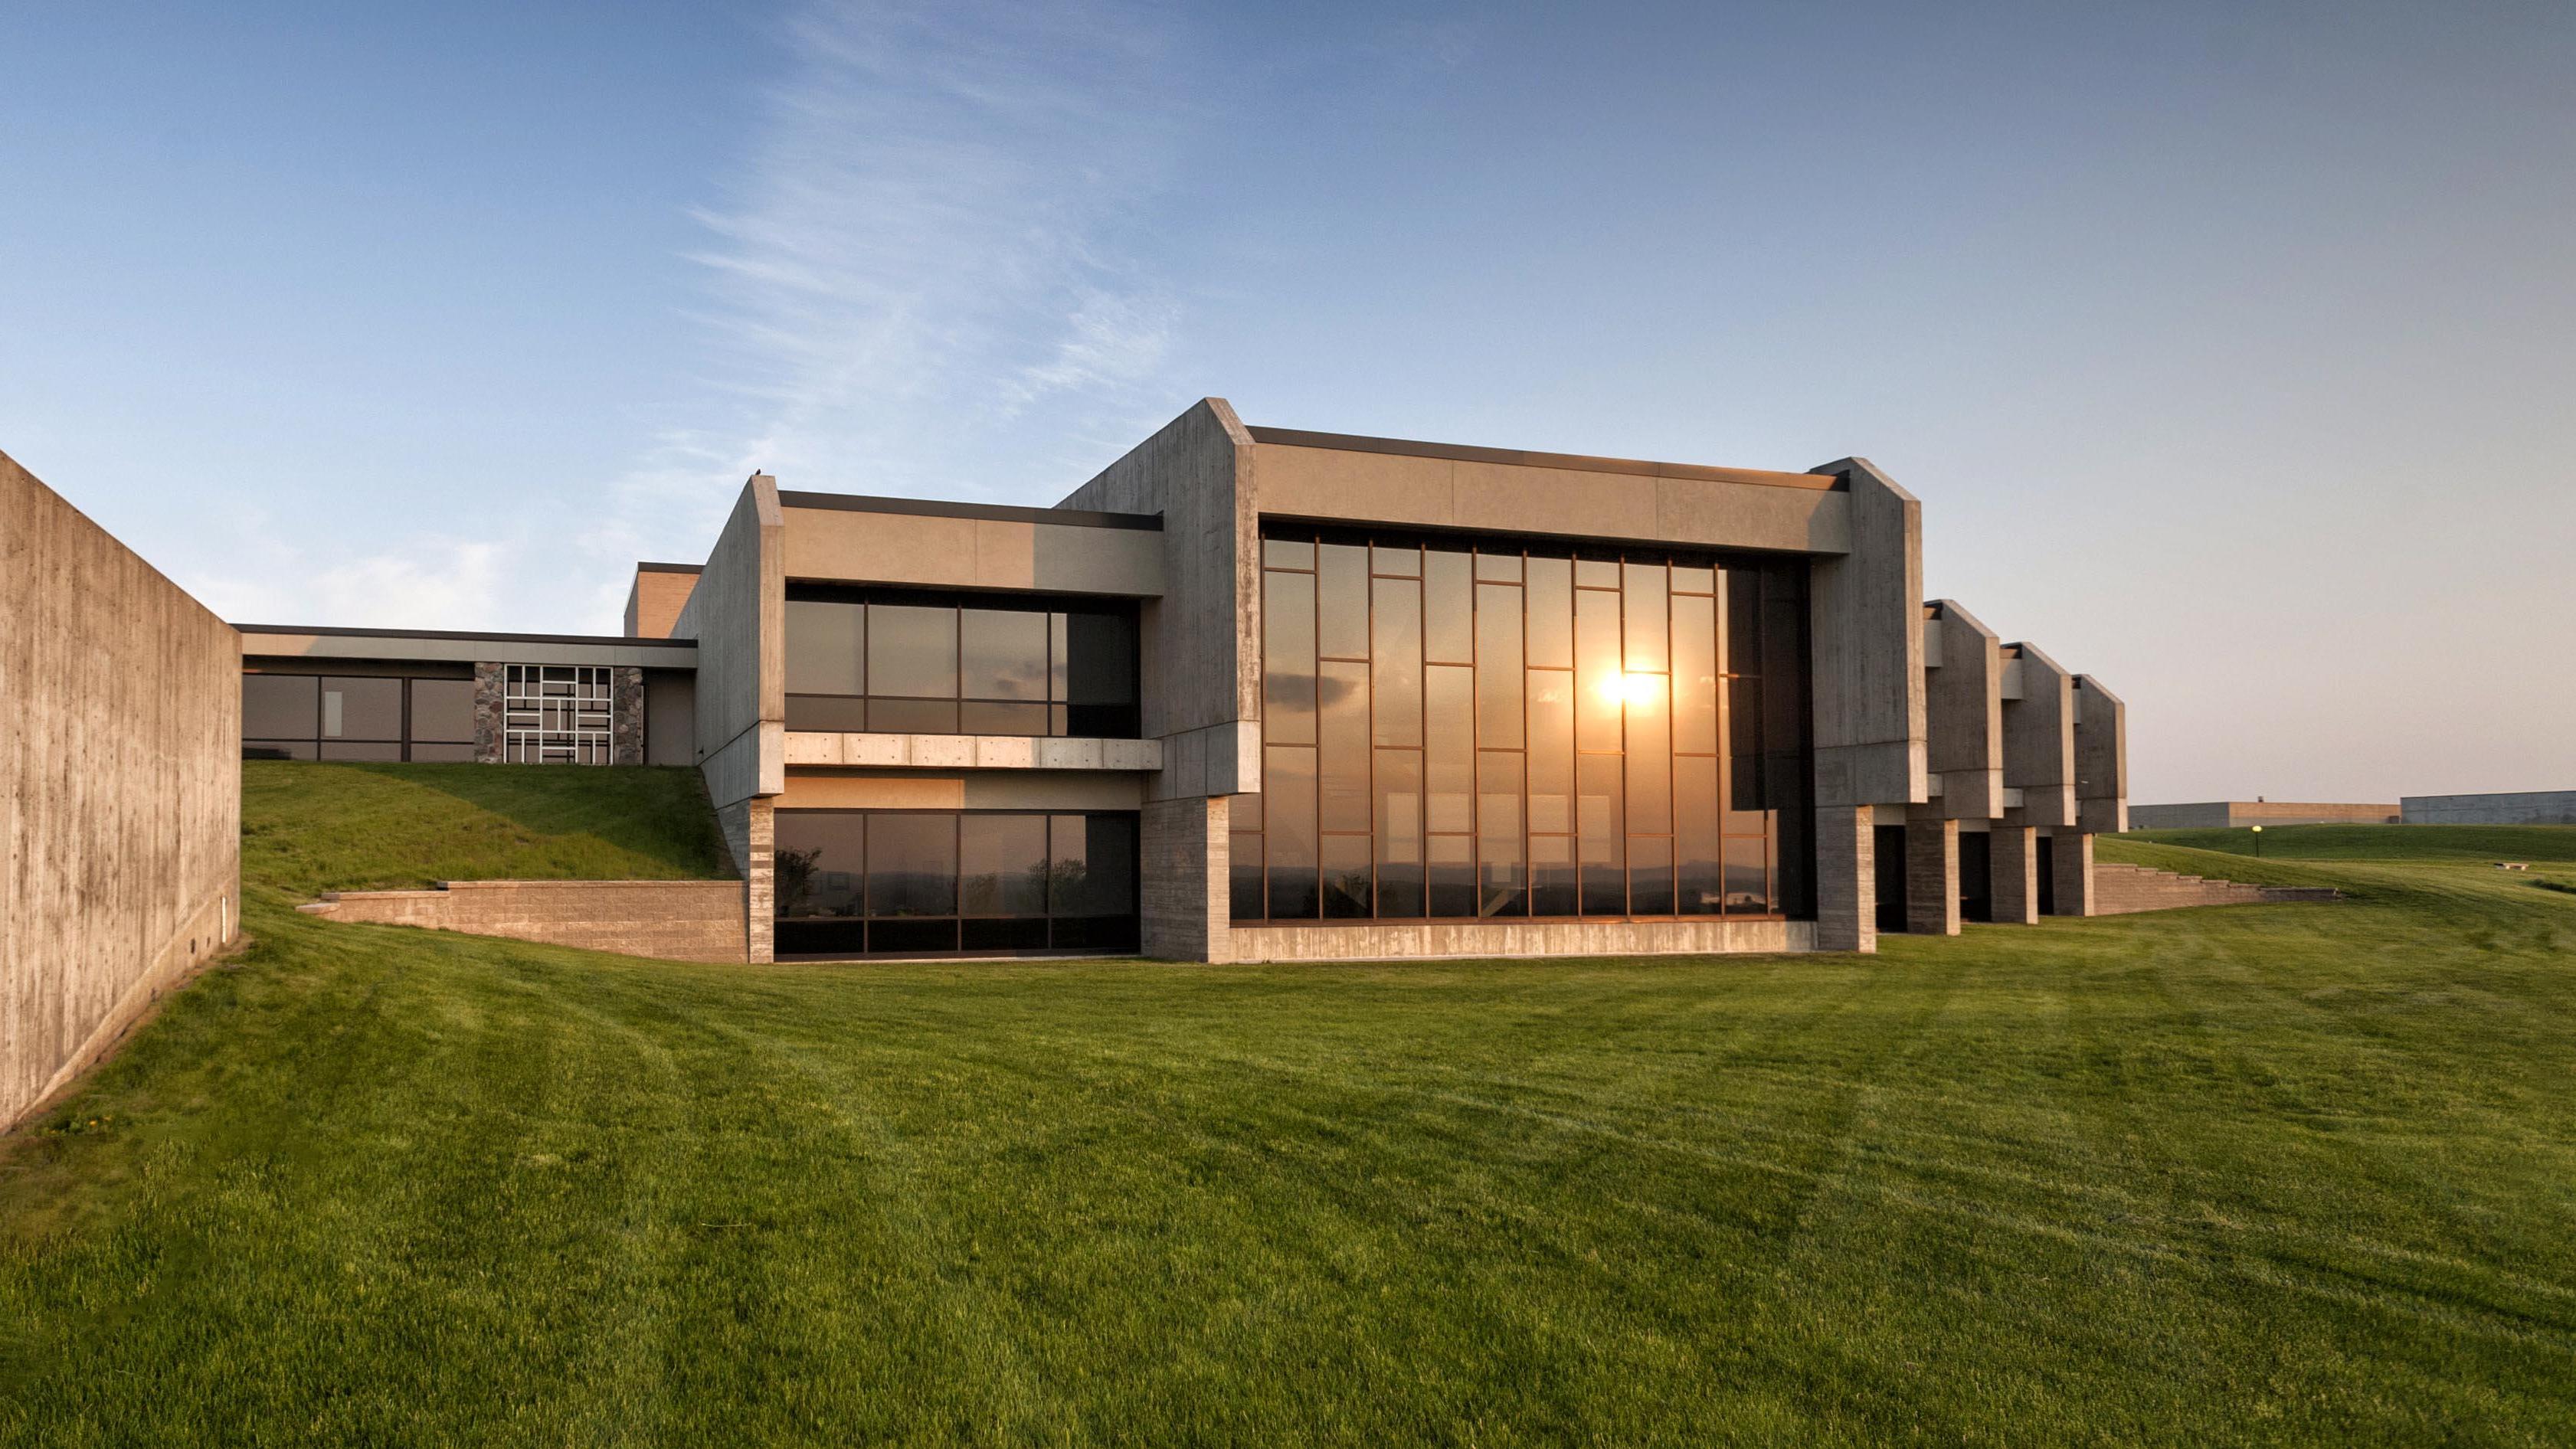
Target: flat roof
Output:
[
  {"x": 996, "y": 512},
  {"x": 649, "y": 567},
  {"x": 467, "y": 635},
  {"x": 1639, "y": 467}
]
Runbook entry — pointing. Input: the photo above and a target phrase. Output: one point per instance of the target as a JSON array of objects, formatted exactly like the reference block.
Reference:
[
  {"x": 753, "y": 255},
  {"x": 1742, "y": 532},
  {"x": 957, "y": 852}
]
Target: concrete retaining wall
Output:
[
  {"x": 1412, "y": 940},
  {"x": 689, "y": 920},
  {"x": 120, "y": 788},
  {"x": 2232, "y": 814},
  {"x": 2120, "y": 890}
]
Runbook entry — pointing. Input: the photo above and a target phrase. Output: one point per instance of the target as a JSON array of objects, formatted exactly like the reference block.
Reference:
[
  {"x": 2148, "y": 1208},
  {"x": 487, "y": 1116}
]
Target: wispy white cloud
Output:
[
  {"x": 932, "y": 274},
  {"x": 926, "y": 279}
]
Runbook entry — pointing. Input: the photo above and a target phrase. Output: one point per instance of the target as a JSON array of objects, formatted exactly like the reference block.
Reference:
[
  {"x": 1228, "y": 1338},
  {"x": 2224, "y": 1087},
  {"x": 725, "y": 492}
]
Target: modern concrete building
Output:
[
  {"x": 2237, "y": 814},
  {"x": 2518, "y": 807},
  {"x": 1261, "y": 695}
]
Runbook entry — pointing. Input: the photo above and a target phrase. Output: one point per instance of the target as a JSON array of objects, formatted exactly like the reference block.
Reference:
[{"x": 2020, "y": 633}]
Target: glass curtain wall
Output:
[
  {"x": 927, "y": 882},
  {"x": 1456, "y": 731},
  {"x": 922, "y": 664},
  {"x": 356, "y": 717}
]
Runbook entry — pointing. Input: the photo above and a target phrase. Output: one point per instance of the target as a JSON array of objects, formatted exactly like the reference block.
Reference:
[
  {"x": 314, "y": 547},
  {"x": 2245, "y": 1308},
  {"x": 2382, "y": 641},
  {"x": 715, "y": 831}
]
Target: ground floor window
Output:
[
  {"x": 925, "y": 882},
  {"x": 357, "y": 717}
]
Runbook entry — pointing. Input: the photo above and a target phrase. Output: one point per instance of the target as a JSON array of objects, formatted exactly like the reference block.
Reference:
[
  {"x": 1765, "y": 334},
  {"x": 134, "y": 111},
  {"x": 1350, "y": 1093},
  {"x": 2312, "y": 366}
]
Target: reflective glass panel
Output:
[
  {"x": 1404, "y": 560},
  {"x": 1501, "y": 568},
  {"x": 1694, "y": 675},
  {"x": 912, "y": 651},
  {"x": 824, "y": 649},
  {"x": 1745, "y": 892},
  {"x": 1396, "y": 663},
  {"x": 1551, "y": 750},
  {"x": 1288, "y": 659},
  {"x": 1342, "y": 598},
  {"x": 1499, "y": 685},
  {"x": 1448, "y": 607},
  {"x": 975, "y": 717},
  {"x": 1004, "y": 653},
  {"x": 1599, "y": 685},
  {"x": 1552, "y": 886},
  {"x": 1449, "y": 748},
  {"x": 1398, "y": 829},
  {"x": 366, "y": 709},
  {"x": 1094, "y": 865},
  {"x": 1347, "y": 893},
  {"x": 1649, "y": 758},
  {"x": 442, "y": 710},
  {"x": 1451, "y": 888},
  {"x": 1645, "y": 610},
  {"x": 817, "y": 863},
  {"x": 281, "y": 706},
  {"x": 1551, "y": 613},
  {"x": 1695, "y": 831},
  {"x": 1650, "y": 876},
  {"x": 1002, "y": 865},
  {"x": 912, "y": 865},
  {"x": 1287, "y": 553},
  {"x": 1343, "y": 738},
  {"x": 1288, "y": 815}
]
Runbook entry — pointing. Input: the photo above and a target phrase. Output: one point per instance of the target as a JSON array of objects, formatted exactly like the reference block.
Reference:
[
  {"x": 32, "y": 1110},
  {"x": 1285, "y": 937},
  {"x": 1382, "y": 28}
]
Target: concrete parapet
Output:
[
  {"x": 2038, "y": 714},
  {"x": 2101, "y": 758},
  {"x": 1964, "y": 725}
]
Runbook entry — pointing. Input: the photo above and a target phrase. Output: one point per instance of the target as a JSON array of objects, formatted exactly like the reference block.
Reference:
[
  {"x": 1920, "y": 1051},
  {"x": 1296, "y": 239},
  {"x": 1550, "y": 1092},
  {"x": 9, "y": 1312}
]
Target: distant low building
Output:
[
  {"x": 2236, "y": 814},
  {"x": 2521, "y": 807}
]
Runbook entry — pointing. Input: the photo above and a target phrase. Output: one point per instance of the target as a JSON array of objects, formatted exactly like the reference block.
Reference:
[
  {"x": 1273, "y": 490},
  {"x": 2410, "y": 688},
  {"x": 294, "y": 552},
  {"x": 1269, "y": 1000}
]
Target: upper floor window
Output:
[{"x": 907, "y": 663}]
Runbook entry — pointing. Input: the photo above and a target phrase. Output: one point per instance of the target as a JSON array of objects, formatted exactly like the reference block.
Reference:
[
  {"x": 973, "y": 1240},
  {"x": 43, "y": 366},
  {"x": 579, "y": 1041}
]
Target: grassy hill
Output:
[
  {"x": 310, "y": 828},
  {"x": 2269, "y": 1174}
]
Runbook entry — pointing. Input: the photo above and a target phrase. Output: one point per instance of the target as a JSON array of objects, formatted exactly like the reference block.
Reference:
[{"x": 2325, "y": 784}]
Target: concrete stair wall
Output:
[{"x": 2121, "y": 890}]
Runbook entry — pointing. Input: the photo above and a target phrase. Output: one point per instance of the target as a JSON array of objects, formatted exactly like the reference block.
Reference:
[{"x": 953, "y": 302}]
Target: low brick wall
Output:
[
  {"x": 2120, "y": 890},
  {"x": 674, "y": 920}
]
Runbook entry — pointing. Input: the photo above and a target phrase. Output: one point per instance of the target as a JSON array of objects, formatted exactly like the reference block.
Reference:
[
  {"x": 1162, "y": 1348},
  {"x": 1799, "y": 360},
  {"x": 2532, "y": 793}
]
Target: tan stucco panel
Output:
[
  {"x": 1515, "y": 498},
  {"x": 927, "y": 551}
]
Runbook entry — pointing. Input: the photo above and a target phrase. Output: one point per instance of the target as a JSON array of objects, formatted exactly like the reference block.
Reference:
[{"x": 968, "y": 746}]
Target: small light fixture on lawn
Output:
[{"x": 2258, "y": 842}]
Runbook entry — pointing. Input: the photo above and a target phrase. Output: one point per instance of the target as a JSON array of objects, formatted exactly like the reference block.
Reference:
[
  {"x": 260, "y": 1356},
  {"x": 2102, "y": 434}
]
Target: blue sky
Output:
[{"x": 2232, "y": 349}]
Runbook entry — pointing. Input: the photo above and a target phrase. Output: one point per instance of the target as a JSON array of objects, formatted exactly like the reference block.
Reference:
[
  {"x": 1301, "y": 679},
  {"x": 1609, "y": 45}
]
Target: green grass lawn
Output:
[
  {"x": 2247, "y": 1175},
  {"x": 309, "y": 828}
]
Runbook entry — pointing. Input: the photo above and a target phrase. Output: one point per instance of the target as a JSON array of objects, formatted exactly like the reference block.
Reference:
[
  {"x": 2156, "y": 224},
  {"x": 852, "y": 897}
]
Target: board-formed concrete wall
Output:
[{"x": 120, "y": 788}]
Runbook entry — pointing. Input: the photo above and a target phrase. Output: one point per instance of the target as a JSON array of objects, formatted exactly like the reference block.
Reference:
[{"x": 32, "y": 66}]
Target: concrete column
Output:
[
  {"x": 751, "y": 837},
  {"x": 2014, "y": 859},
  {"x": 1183, "y": 862},
  {"x": 1846, "y": 879},
  {"x": 1931, "y": 872},
  {"x": 2073, "y": 872}
]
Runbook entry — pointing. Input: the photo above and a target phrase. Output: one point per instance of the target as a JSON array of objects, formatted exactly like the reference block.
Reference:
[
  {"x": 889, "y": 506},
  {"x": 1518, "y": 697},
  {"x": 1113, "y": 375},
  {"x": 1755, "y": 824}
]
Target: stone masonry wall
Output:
[{"x": 673, "y": 920}]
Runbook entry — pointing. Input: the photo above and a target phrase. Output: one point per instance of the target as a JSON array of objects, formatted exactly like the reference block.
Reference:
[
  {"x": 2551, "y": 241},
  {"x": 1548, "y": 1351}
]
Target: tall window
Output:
[
  {"x": 920, "y": 664},
  {"x": 1458, "y": 730},
  {"x": 357, "y": 717},
  {"x": 926, "y": 882}
]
